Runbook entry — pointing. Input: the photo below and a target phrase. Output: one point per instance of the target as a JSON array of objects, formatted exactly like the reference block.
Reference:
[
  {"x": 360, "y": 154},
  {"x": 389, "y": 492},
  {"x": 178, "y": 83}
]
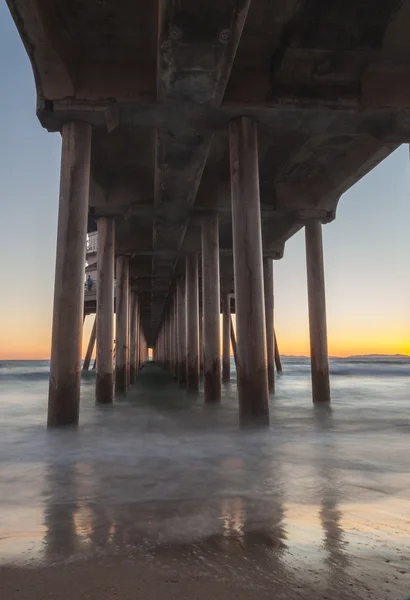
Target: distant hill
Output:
[
  {"x": 358, "y": 357},
  {"x": 380, "y": 356}
]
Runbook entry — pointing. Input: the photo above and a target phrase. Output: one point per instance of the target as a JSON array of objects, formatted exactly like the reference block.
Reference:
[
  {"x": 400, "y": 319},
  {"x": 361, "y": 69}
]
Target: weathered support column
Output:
[
  {"x": 104, "y": 384},
  {"x": 169, "y": 329},
  {"x": 161, "y": 347},
  {"x": 128, "y": 332},
  {"x": 211, "y": 301},
  {"x": 90, "y": 348},
  {"x": 171, "y": 339},
  {"x": 317, "y": 312},
  {"x": 133, "y": 336},
  {"x": 248, "y": 270},
  {"x": 138, "y": 350},
  {"x": 137, "y": 337},
  {"x": 122, "y": 326},
  {"x": 144, "y": 352},
  {"x": 233, "y": 342},
  {"x": 278, "y": 362},
  {"x": 226, "y": 338},
  {"x": 166, "y": 344},
  {"x": 142, "y": 347},
  {"x": 269, "y": 314},
  {"x": 192, "y": 334},
  {"x": 201, "y": 336},
  {"x": 65, "y": 364},
  {"x": 181, "y": 330},
  {"x": 175, "y": 370}
]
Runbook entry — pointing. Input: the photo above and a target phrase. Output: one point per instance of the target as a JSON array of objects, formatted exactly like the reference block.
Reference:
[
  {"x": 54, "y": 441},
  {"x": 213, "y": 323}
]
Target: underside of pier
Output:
[{"x": 218, "y": 110}]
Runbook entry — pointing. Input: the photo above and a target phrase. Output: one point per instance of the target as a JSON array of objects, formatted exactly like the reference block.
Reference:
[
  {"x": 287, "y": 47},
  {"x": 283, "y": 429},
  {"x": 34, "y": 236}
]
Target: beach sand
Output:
[{"x": 120, "y": 578}]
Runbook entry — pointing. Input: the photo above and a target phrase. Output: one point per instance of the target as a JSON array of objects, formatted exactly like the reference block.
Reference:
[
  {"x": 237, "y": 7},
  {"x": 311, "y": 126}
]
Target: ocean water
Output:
[{"x": 324, "y": 490}]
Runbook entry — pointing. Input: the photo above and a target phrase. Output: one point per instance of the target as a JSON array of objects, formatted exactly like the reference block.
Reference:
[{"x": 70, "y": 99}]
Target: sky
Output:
[{"x": 366, "y": 249}]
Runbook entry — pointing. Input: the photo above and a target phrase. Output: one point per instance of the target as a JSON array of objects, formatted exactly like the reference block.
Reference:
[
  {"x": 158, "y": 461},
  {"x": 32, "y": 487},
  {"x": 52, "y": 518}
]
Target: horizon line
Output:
[{"x": 399, "y": 354}]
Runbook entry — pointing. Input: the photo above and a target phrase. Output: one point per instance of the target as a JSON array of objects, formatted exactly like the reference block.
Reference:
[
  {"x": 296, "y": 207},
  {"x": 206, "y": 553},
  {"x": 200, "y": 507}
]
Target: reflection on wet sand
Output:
[
  {"x": 330, "y": 512},
  {"x": 237, "y": 515},
  {"x": 61, "y": 539},
  {"x": 313, "y": 517},
  {"x": 234, "y": 514}
]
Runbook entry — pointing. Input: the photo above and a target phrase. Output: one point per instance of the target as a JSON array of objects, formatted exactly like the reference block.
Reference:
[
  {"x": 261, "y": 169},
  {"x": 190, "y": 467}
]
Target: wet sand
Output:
[
  {"x": 179, "y": 576},
  {"x": 107, "y": 580},
  {"x": 159, "y": 497}
]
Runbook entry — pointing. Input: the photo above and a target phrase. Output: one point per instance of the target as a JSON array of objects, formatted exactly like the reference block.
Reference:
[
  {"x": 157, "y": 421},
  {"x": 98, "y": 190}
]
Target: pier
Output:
[{"x": 199, "y": 138}]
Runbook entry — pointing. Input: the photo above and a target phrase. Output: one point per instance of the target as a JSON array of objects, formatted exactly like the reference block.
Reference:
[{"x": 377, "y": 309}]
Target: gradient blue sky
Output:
[{"x": 367, "y": 254}]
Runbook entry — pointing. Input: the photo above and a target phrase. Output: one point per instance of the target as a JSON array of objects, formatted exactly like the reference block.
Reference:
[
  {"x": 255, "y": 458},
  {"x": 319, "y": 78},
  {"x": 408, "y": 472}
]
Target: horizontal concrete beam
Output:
[
  {"x": 385, "y": 124},
  {"x": 223, "y": 251},
  {"x": 303, "y": 215},
  {"x": 197, "y": 212}
]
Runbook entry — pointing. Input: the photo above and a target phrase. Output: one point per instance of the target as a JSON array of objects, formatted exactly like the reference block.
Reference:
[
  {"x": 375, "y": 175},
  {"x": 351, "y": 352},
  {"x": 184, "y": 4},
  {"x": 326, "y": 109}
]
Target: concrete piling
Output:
[
  {"x": 68, "y": 310},
  {"x": 248, "y": 273},
  {"x": 137, "y": 336},
  {"x": 141, "y": 345},
  {"x": 133, "y": 336},
  {"x": 192, "y": 334},
  {"x": 211, "y": 307},
  {"x": 166, "y": 342},
  {"x": 181, "y": 330},
  {"x": 269, "y": 315},
  {"x": 175, "y": 370},
  {"x": 171, "y": 340},
  {"x": 138, "y": 349},
  {"x": 122, "y": 325},
  {"x": 105, "y": 310},
  {"x": 201, "y": 335},
  {"x": 90, "y": 347},
  {"x": 317, "y": 312},
  {"x": 143, "y": 348},
  {"x": 233, "y": 342},
  {"x": 278, "y": 362},
  {"x": 226, "y": 338}
]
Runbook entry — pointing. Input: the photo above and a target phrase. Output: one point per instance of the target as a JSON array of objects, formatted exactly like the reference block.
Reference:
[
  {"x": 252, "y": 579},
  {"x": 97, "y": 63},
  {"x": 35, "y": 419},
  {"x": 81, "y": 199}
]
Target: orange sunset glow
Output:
[{"x": 35, "y": 343}]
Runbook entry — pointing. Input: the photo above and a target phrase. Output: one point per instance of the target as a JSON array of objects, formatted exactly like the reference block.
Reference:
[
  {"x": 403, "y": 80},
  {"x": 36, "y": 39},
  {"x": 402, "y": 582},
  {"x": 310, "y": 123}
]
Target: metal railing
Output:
[{"x": 88, "y": 293}]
